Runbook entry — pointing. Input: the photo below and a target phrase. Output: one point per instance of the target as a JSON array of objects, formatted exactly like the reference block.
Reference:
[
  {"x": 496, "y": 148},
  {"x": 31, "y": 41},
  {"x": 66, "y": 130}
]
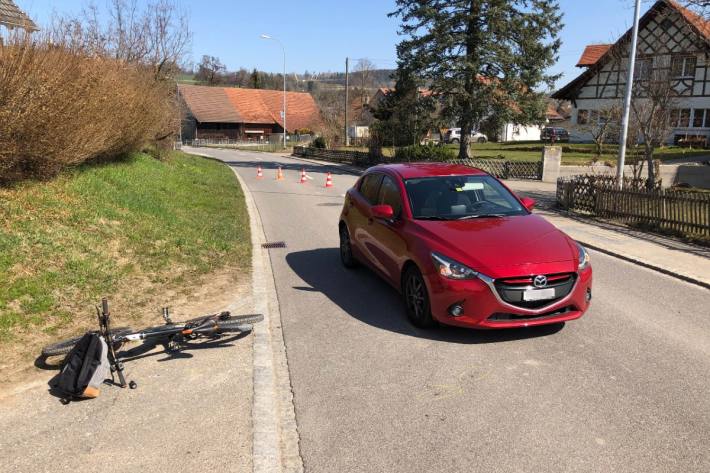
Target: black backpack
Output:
[{"x": 84, "y": 369}]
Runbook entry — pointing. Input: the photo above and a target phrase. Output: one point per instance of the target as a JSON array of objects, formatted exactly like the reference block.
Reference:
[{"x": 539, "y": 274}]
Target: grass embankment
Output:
[
  {"x": 572, "y": 153},
  {"x": 129, "y": 230}
]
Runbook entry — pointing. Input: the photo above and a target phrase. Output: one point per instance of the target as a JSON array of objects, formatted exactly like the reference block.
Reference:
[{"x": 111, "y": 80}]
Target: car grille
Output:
[
  {"x": 503, "y": 317},
  {"x": 511, "y": 289}
]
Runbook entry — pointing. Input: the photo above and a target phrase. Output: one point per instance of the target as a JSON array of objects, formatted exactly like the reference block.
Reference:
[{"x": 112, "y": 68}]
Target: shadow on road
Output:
[{"x": 366, "y": 297}]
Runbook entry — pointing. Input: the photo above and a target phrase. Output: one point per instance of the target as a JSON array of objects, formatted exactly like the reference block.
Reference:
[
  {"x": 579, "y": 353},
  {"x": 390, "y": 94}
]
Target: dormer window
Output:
[{"x": 683, "y": 67}]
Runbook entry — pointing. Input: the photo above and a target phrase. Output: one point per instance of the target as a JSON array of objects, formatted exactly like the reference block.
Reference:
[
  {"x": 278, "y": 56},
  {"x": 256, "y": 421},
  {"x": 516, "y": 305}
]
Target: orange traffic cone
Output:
[
  {"x": 259, "y": 173},
  {"x": 328, "y": 180},
  {"x": 280, "y": 175},
  {"x": 303, "y": 177}
]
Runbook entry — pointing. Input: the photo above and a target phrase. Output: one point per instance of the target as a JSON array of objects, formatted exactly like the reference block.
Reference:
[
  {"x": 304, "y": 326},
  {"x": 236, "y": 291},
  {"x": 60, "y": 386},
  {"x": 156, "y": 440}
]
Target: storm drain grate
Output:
[{"x": 274, "y": 244}]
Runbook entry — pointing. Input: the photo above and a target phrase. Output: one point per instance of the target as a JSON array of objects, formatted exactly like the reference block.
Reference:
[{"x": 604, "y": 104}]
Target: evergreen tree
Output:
[
  {"x": 255, "y": 79},
  {"x": 482, "y": 57},
  {"x": 405, "y": 115}
]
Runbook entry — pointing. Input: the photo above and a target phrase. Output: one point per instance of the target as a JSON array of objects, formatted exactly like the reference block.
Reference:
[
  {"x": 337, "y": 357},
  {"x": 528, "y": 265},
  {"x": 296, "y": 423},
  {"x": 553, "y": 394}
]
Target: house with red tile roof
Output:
[
  {"x": 244, "y": 114},
  {"x": 12, "y": 17},
  {"x": 672, "y": 38}
]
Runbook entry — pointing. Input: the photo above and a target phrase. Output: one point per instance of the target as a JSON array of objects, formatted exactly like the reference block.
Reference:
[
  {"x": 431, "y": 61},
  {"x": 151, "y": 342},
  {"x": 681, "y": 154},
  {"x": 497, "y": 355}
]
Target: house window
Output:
[
  {"x": 643, "y": 68},
  {"x": 683, "y": 67},
  {"x": 707, "y": 118},
  {"x": 684, "y": 121},
  {"x": 594, "y": 117},
  {"x": 582, "y": 117},
  {"x": 698, "y": 117}
]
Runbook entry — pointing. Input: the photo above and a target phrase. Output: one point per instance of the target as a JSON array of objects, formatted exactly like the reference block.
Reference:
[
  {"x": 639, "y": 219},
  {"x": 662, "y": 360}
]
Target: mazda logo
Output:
[{"x": 540, "y": 281}]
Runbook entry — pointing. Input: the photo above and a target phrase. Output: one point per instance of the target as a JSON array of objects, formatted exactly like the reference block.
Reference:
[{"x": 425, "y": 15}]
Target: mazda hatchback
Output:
[{"x": 462, "y": 248}]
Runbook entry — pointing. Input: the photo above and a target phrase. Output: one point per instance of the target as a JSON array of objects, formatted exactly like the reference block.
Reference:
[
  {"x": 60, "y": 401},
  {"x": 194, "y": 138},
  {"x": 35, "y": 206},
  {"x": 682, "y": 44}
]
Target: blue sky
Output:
[{"x": 319, "y": 34}]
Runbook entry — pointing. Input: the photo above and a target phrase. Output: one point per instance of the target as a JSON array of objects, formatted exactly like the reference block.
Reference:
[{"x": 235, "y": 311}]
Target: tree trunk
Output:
[
  {"x": 649, "y": 162},
  {"x": 465, "y": 138}
]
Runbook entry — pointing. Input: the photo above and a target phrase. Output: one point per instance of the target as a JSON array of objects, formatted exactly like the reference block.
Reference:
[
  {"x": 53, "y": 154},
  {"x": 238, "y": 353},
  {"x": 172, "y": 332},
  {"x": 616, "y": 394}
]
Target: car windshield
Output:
[{"x": 460, "y": 198}]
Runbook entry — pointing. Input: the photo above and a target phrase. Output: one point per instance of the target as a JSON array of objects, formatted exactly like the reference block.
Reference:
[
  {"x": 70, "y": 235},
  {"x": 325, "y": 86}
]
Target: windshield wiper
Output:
[
  {"x": 469, "y": 217},
  {"x": 431, "y": 217}
]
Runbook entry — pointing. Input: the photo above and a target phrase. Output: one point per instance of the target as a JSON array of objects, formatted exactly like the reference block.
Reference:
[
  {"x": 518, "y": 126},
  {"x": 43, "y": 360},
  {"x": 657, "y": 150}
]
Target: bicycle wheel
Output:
[
  {"x": 240, "y": 318},
  {"x": 65, "y": 346},
  {"x": 238, "y": 323}
]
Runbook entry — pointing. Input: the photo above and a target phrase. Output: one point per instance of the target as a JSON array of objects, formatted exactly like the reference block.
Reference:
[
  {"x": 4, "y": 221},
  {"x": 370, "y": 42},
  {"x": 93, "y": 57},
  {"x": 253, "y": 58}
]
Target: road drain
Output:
[{"x": 274, "y": 244}]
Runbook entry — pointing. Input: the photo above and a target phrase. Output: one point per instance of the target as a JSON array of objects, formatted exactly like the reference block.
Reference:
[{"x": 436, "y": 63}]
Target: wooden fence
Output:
[
  {"x": 499, "y": 168},
  {"x": 674, "y": 211}
]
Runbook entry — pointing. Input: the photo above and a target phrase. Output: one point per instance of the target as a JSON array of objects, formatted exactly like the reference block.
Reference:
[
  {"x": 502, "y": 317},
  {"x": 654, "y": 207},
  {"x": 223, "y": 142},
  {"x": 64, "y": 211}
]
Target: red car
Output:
[{"x": 462, "y": 248}]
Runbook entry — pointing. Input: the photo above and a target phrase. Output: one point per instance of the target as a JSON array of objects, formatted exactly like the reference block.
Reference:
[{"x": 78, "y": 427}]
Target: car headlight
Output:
[
  {"x": 583, "y": 257},
  {"x": 452, "y": 269}
]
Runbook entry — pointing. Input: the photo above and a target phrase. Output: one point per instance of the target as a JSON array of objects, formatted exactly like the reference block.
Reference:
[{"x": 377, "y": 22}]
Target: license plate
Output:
[{"x": 539, "y": 294}]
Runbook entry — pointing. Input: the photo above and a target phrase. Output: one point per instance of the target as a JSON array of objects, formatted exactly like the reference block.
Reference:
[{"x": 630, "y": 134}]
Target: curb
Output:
[
  {"x": 275, "y": 445},
  {"x": 635, "y": 261}
]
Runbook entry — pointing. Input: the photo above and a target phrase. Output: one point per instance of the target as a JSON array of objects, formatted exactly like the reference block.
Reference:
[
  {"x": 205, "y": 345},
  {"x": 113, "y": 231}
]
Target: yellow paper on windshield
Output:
[{"x": 470, "y": 186}]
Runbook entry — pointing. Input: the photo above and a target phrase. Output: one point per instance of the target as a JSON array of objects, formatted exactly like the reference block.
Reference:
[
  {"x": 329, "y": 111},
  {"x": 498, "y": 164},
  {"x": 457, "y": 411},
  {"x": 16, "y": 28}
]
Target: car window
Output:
[
  {"x": 459, "y": 197},
  {"x": 369, "y": 187},
  {"x": 389, "y": 195}
]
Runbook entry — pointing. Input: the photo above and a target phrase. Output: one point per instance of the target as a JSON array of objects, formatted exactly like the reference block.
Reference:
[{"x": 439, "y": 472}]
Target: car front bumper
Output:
[{"x": 483, "y": 306}]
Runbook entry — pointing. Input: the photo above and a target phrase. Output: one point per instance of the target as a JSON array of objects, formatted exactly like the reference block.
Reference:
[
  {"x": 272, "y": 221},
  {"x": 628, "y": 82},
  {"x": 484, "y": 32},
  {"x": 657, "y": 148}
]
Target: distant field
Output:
[{"x": 572, "y": 153}]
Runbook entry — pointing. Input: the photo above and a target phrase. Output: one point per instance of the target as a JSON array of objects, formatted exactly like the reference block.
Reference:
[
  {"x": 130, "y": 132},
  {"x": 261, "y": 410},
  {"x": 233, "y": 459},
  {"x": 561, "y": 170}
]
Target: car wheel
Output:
[
  {"x": 455, "y": 141},
  {"x": 481, "y": 140},
  {"x": 346, "y": 250},
  {"x": 416, "y": 299}
]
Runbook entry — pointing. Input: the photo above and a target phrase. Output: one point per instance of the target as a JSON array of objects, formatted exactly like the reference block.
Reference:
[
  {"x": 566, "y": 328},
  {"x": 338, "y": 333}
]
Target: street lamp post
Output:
[
  {"x": 627, "y": 98},
  {"x": 283, "y": 49}
]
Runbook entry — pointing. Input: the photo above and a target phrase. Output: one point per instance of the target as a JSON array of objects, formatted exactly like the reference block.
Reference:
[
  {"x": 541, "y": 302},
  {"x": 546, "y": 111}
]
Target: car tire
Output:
[
  {"x": 481, "y": 140},
  {"x": 416, "y": 298},
  {"x": 455, "y": 141},
  {"x": 346, "y": 249}
]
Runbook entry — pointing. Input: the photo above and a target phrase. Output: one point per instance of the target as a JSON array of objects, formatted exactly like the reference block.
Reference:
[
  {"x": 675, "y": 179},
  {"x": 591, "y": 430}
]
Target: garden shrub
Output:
[
  {"x": 319, "y": 143},
  {"x": 416, "y": 153}
]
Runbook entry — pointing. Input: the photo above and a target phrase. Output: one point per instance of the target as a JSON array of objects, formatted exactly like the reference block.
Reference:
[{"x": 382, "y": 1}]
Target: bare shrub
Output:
[{"x": 72, "y": 94}]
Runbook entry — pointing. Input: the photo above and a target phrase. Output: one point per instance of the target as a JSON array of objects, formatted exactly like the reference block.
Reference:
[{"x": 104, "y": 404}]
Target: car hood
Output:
[{"x": 490, "y": 244}]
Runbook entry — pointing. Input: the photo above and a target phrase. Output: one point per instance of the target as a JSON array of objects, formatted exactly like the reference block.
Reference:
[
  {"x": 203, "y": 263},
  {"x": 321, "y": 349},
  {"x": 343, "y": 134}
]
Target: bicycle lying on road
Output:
[{"x": 173, "y": 335}]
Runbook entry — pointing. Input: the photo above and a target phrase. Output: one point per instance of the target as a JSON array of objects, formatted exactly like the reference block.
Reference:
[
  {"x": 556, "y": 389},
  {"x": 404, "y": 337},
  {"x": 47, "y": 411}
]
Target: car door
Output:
[
  {"x": 361, "y": 201},
  {"x": 388, "y": 246}
]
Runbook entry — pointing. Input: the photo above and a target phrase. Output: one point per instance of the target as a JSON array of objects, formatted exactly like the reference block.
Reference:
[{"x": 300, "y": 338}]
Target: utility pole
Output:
[
  {"x": 283, "y": 49},
  {"x": 347, "y": 83},
  {"x": 627, "y": 99}
]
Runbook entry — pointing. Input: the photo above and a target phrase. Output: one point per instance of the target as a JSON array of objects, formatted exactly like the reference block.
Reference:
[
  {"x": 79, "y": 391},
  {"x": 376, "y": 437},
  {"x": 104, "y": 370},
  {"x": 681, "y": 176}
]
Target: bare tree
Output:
[
  {"x": 210, "y": 70},
  {"x": 601, "y": 125},
  {"x": 652, "y": 109},
  {"x": 363, "y": 72},
  {"x": 156, "y": 34}
]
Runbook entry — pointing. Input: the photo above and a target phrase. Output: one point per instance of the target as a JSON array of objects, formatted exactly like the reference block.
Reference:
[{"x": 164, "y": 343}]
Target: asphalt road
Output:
[{"x": 624, "y": 389}]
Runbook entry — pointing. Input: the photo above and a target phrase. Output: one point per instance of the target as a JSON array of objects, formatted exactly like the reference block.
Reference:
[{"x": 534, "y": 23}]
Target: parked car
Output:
[
  {"x": 550, "y": 133},
  {"x": 453, "y": 135},
  {"x": 462, "y": 248}
]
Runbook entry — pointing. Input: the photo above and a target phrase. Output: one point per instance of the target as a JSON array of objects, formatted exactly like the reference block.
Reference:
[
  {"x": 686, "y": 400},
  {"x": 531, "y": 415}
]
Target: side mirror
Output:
[
  {"x": 528, "y": 203},
  {"x": 383, "y": 211}
]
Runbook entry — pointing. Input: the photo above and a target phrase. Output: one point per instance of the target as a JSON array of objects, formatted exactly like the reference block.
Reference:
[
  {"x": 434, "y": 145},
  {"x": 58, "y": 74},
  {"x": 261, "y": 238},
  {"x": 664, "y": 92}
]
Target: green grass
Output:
[
  {"x": 121, "y": 229},
  {"x": 572, "y": 153}
]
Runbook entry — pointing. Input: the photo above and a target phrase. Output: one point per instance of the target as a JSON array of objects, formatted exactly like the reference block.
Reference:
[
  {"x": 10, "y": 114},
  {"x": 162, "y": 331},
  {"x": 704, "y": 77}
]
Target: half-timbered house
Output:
[{"x": 672, "y": 39}]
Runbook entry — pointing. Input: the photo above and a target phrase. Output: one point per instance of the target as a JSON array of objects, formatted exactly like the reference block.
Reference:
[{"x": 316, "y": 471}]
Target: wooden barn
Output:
[{"x": 244, "y": 114}]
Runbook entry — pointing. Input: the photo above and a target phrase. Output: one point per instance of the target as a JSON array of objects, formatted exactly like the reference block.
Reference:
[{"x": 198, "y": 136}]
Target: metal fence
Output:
[
  {"x": 685, "y": 213},
  {"x": 504, "y": 169},
  {"x": 356, "y": 158},
  {"x": 499, "y": 168}
]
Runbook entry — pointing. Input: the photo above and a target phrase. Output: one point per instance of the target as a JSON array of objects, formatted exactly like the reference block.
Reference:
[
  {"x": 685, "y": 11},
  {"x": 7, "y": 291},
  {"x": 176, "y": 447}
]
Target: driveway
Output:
[{"x": 624, "y": 389}]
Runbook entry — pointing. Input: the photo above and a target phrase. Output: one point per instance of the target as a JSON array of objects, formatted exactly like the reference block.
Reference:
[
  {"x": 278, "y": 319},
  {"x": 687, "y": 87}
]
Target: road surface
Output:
[{"x": 624, "y": 389}]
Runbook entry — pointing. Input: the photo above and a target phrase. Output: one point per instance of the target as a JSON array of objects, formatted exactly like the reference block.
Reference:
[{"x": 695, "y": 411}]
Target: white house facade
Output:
[{"x": 671, "y": 38}]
